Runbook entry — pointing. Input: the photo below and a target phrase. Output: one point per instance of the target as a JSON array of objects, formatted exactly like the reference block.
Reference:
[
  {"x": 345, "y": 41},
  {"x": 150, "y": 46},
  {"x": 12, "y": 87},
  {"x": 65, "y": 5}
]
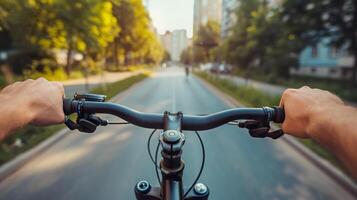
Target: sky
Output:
[{"x": 171, "y": 14}]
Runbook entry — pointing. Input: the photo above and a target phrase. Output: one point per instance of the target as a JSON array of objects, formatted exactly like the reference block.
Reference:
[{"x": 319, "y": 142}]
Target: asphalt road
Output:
[{"x": 107, "y": 164}]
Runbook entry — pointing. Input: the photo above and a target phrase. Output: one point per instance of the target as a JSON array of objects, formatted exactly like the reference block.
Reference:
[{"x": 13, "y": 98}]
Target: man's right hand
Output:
[
  {"x": 323, "y": 117},
  {"x": 306, "y": 108}
]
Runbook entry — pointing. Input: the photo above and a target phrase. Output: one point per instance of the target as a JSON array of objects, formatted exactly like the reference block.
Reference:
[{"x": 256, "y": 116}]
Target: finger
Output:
[
  {"x": 11, "y": 86},
  {"x": 305, "y": 87},
  {"x": 41, "y": 79},
  {"x": 29, "y": 81},
  {"x": 286, "y": 94}
]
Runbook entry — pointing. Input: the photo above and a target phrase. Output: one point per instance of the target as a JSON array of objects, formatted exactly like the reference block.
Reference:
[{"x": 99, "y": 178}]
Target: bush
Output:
[{"x": 57, "y": 74}]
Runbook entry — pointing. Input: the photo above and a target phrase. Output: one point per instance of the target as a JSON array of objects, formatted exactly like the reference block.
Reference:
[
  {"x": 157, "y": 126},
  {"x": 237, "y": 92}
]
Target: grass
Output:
[
  {"x": 30, "y": 136},
  {"x": 246, "y": 95},
  {"x": 254, "y": 98},
  {"x": 342, "y": 88}
]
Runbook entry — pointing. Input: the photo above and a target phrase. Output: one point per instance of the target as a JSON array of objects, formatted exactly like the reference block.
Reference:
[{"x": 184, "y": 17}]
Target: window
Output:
[
  {"x": 333, "y": 71},
  {"x": 314, "y": 51},
  {"x": 313, "y": 70}
]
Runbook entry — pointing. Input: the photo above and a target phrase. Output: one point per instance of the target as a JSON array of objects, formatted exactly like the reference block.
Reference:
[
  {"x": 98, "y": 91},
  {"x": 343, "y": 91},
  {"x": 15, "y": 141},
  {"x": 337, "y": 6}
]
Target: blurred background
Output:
[{"x": 251, "y": 50}]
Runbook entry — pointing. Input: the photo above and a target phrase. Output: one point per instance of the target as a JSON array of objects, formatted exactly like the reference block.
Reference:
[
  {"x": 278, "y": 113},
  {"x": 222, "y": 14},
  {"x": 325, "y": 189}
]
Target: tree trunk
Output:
[
  {"x": 68, "y": 61},
  {"x": 115, "y": 54},
  {"x": 126, "y": 59}
]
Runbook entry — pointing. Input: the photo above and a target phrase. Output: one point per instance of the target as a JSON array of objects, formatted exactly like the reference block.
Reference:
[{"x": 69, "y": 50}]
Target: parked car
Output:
[{"x": 221, "y": 68}]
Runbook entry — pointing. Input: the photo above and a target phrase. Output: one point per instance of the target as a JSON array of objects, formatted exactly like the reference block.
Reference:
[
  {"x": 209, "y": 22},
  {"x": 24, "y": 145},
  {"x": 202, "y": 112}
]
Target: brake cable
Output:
[
  {"x": 156, "y": 168},
  {"x": 119, "y": 123},
  {"x": 151, "y": 156},
  {"x": 202, "y": 164}
]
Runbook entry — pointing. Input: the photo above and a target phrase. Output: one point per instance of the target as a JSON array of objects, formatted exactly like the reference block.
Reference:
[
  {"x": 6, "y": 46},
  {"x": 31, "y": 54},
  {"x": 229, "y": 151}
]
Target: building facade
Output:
[
  {"x": 179, "y": 43},
  {"x": 228, "y": 16},
  {"x": 205, "y": 10},
  {"x": 324, "y": 60},
  {"x": 175, "y": 42}
]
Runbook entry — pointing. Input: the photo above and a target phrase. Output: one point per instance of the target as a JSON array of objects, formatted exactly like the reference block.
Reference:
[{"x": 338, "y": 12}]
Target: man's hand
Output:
[
  {"x": 306, "y": 108},
  {"x": 323, "y": 117},
  {"x": 38, "y": 102}
]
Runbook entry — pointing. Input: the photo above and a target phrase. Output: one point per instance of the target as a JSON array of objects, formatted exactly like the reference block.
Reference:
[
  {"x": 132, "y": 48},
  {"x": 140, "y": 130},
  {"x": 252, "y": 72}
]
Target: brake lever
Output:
[
  {"x": 275, "y": 134},
  {"x": 260, "y": 129},
  {"x": 87, "y": 125}
]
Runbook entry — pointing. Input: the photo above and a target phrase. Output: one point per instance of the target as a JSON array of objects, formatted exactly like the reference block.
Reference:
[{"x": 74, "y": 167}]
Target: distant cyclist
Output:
[
  {"x": 310, "y": 113},
  {"x": 187, "y": 71}
]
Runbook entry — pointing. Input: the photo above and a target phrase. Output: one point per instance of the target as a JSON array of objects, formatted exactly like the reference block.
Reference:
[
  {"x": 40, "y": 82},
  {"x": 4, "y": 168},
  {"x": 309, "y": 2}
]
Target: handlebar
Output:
[{"x": 189, "y": 122}]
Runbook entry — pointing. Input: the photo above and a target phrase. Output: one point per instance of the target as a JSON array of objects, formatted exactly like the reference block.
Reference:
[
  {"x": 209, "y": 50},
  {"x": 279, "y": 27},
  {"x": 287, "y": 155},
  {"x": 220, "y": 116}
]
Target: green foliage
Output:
[
  {"x": 337, "y": 86},
  {"x": 136, "y": 43},
  {"x": 118, "y": 30},
  {"x": 38, "y": 27},
  {"x": 58, "y": 74},
  {"x": 167, "y": 56},
  {"x": 311, "y": 20},
  {"x": 2, "y": 81},
  {"x": 259, "y": 39},
  {"x": 186, "y": 56},
  {"x": 247, "y": 95},
  {"x": 205, "y": 41},
  {"x": 241, "y": 47}
]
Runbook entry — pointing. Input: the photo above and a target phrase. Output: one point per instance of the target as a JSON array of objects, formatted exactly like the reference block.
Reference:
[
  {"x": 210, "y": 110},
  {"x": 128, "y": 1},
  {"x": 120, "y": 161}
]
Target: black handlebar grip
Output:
[
  {"x": 67, "y": 106},
  {"x": 279, "y": 114}
]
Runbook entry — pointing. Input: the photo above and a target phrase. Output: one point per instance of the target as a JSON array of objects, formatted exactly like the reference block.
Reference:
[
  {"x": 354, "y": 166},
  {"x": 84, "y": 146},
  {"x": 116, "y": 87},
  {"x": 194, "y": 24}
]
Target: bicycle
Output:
[{"x": 171, "y": 140}]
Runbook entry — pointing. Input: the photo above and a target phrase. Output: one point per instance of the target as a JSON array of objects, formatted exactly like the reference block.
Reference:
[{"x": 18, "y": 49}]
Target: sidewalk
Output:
[{"x": 79, "y": 85}]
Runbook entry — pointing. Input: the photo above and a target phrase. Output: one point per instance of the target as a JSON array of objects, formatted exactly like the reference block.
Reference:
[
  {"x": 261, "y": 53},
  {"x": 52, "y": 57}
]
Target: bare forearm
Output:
[
  {"x": 335, "y": 128},
  {"x": 37, "y": 102},
  {"x": 13, "y": 115}
]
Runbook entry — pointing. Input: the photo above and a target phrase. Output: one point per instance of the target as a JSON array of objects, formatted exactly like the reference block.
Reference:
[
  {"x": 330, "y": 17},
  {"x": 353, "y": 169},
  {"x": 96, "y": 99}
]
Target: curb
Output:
[
  {"x": 13, "y": 165},
  {"x": 320, "y": 163}
]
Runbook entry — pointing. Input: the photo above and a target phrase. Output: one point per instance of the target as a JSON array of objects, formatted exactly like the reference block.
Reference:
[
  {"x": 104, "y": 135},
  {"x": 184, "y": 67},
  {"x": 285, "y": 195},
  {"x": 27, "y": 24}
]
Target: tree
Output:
[
  {"x": 259, "y": 39},
  {"x": 136, "y": 42},
  {"x": 89, "y": 26},
  {"x": 167, "y": 56},
  {"x": 240, "y": 48},
  {"x": 186, "y": 56},
  {"x": 40, "y": 26},
  {"x": 311, "y": 20},
  {"x": 206, "y": 39}
]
